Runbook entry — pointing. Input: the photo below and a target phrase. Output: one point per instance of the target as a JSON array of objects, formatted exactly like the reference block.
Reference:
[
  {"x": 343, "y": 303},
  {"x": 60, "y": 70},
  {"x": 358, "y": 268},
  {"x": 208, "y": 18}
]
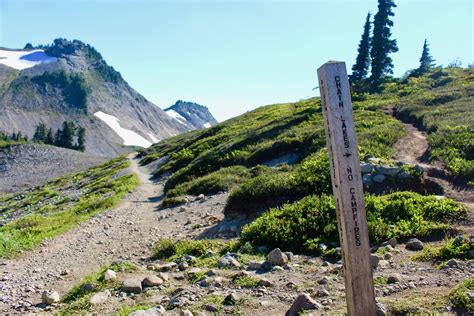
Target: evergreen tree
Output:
[
  {"x": 28, "y": 46},
  {"x": 426, "y": 60},
  {"x": 40, "y": 133},
  {"x": 49, "y": 137},
  {"x": 66, "y": 135},
  {"x": 81, "y": 139},
  {"x": 382, "y": 44},
  {"x": 361, "y": 67}
]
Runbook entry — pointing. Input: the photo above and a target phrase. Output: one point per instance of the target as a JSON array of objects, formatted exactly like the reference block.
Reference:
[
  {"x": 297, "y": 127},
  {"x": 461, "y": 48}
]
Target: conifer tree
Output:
[
  {"x": 382, "y": 44},
  {"x": 40, "y": 133},
  {"x": 426, "y": 60},
  {"x": 361, "y": 67},
  {"x": 49, "y": 137},
  {"x": 81, "y": 139}
]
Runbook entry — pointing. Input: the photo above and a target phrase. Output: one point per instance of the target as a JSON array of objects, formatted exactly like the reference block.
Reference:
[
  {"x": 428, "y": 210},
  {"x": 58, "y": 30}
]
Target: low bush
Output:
[
  {"x": 301, "y": 226},
  {"x": 460, "y": 297},
  {"x": 453, "y": 248}
]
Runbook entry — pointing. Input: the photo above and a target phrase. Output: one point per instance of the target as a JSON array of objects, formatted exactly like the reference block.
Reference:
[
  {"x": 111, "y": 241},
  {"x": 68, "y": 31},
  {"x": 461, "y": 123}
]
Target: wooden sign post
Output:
[{"x": 347, "y": 186}]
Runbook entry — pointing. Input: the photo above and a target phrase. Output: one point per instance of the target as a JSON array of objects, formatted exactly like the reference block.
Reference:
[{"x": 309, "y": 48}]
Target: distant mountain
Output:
[
  {"x": 69, "y": 80},
  {"x": 193, "y": 114}
]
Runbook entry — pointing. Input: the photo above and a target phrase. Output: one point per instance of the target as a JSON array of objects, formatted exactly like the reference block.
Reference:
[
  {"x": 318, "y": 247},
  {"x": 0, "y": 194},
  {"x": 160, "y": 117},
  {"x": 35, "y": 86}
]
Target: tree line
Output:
[
  {"x": 70, "y": 136},
  {"x": 375, "y": 49}
]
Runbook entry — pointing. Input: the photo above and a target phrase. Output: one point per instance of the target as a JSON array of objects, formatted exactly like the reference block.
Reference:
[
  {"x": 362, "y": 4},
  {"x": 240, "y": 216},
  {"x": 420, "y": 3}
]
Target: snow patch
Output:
[
  {"x": 207, "y": 125},
  {"x": 176, "y": 116},
  {"x": 130, "y": 138},
  {"x": 21, "y": 59},
  {"x": 153, "y": 138}
]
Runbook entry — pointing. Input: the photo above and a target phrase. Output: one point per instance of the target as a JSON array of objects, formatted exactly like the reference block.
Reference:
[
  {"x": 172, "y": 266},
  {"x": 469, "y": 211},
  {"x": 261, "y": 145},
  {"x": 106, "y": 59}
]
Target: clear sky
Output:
[{"x": 233, "y": 56}]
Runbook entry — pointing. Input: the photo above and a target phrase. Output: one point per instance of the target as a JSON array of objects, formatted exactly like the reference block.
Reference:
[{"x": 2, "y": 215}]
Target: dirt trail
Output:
[{"x": 413, "y": 149}]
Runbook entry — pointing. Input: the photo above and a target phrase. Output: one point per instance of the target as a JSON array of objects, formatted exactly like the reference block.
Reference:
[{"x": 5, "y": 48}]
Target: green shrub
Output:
[
  {"x": 173, "y": 201},
  {"x": 247, "y": 282},
  {"x": 459, "y": 296},
  {"x": 457, "y": 248},
  {"x": 302, "y": 225}
]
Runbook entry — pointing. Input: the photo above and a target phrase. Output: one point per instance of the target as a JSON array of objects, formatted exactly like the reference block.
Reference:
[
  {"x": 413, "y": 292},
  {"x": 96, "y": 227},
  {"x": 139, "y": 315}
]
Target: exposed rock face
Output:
[
  {"x": 414, "y": 244},
  {"x": 277, "y": 258},
  {"x": 193, "y": 114},
  {"x": 50, "y": 297},
  {"x": 74, "y": 87}
]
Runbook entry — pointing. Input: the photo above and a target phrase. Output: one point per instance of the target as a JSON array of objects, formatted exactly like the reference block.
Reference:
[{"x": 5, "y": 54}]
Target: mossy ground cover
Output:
[
  {"x": 452, "y": 248},
  {"x": 460, "y": 296},
  {"x": 303, "y": 225},
  {"x": 47, "y": 211},
  {"x": 445, "y": 109}
]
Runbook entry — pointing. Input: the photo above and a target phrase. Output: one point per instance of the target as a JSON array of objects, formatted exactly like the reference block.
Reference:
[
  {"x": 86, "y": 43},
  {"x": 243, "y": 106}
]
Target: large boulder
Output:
[
  {"x": 277, "y": 258},
  {"x": 302, "y": 302},
  {"x": 99, "y": 298},
  {"x": 228, "y": 261},
  {"x": 414, "y": 244}
]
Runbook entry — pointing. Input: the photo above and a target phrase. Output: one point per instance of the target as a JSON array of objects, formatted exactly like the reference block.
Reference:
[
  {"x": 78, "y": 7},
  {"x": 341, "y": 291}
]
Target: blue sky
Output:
[{"x": 233, "y": 56}]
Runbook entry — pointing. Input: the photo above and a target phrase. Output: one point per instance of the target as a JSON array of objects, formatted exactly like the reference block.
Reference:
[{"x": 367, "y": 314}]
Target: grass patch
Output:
[
  {"x": 453, "y": 248},
  {"x": 459, "y": 297},
  {"x": 247, "y": 282},
  {"x": 49, "y": 210},
  {"x": 301, "y": 226}
]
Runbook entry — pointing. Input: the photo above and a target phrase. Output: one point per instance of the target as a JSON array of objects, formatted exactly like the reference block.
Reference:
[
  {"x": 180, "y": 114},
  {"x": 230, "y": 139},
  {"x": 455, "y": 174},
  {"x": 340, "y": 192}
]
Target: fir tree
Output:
[
  {"x": 49, "y": 137},
  {"x": 66, "y": 135},
  {"x": 361, "y": 67},
  {"x": 426, "y": 60},
  {"x": 40, "y": 133},
  {"x": 81, "y": 139},
  {"x": 382, "y": 44}
]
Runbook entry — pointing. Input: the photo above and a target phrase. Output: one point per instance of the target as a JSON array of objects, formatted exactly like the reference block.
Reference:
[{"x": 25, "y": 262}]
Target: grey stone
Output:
[
  {"x": 388, "y": 171},
  {"x": 186, "y": 312},
  {"x": 366, "y": 168},
  {"x": 166, "y": 267},
  {"x": 254, "y": 265},
  {"x": 152, "y": 280},
  {"x": 183, "y": 266},
  {"x": 379, "y": 178},
  {"x": 322, "y": 293},
  {"x": 265, "y": 282},
  {"x": 394, "y": 278},
  {"x": 414, "y": 244},
  {"x": 373, "y": 160},
  {"x": 132, "y": 285},
  {"x": 99, "y": 298},
  {"x": 211, "y": 308},
  {"x": 50, "y": 297},
  {"x": 289, "y": 255},
  {"x": 228, "y": 261},
  {"x": 323, "y": 280},
  {"x": 302, "y": 302},
  {"x": 262, "y": 249},
  {"x": 381, "y": 309},
  {"x": 277, "y": 257},
  {"x": 374, "y": 261},
  {"x": 110, "y": 275},
  {"x": 164, "y": 276},
  {"x": 367, "y": 179},
  {"x": 452, "y": 263},
  {"x": 470, "y": 254},
  {"x": 419, "y": 169}
]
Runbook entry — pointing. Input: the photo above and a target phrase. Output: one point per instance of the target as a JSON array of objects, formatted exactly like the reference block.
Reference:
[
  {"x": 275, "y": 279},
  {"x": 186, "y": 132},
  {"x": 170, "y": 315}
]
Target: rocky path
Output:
[
  {"x": 126, "y": 232},
  {"x": 413, "y": 149}
]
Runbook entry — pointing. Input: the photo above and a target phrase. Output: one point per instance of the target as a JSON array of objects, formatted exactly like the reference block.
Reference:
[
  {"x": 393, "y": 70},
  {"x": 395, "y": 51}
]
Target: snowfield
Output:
[
  {"x": 207, "y": 125},
  {"x": 21, "y": 59},
  {"x": 130, "y": 138},
  {"x": 153, "y": 138},
  {"x": 176, "y": 116}
]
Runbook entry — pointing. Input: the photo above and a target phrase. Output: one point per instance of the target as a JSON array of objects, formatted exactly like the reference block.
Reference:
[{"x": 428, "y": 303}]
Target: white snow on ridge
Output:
[
  {"x": 207, "y": 125},
  {"x": 153, "y": 138},
  {"x": 130, "y": 138},
  {"x": 176, "y": 116},
  {"x": 22, "y": 59}
]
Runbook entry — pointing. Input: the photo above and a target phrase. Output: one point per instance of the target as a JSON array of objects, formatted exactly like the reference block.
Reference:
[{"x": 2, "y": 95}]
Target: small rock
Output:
[
  {"x": 452, "y": 263},
  {"x": 277, "y": 257},
  {"x": 289, "y": 255},
  {"x": 228, "y": 261},
  {"x": 418, "y": 169},
  {"x": 387, "y": 256},
  {"x": 366, "y": 168},
  {"x": 322, "y": 293},
  {"x": 323, "y": 280},
  {"x": 50, "y": 297},
  {"x": 211, "y": 308},
  {"x": 394, "y": 278},
  {"x": 302, "y": 302},
  {"x": 186, "y": 312},
  {"x": 231, "y": 299},
  {"x": 132, "y": 285},
  {"x": 99, "y": 298},
  {"x": 157, "y": 310},
  {"x": 200, "y": 197},
  {"x": 470, "y": 254},
  {"x": 262, "y": 249},
  {"x": 110, "y": 275},
  {"x": 374, "y": 261},
  {"x": 265, "y": 282},
  {"x": 379, "y": 178},
  {"x": 381, "y": 309},
  {"x": 254, "y": 265},
  {"x": 183, "y": 266},
  {"x": 166, "y": 267},
  {"x": 278, "y": 268},
  {"x": 414, "y": 244},
  {"x": 152, "y": 280}
]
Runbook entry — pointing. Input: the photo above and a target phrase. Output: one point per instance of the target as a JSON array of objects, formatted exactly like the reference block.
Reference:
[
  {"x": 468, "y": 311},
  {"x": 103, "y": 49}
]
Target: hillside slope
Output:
[
  {"x": 198, "y": 116},
  {"x": 76, "y": 84}
]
